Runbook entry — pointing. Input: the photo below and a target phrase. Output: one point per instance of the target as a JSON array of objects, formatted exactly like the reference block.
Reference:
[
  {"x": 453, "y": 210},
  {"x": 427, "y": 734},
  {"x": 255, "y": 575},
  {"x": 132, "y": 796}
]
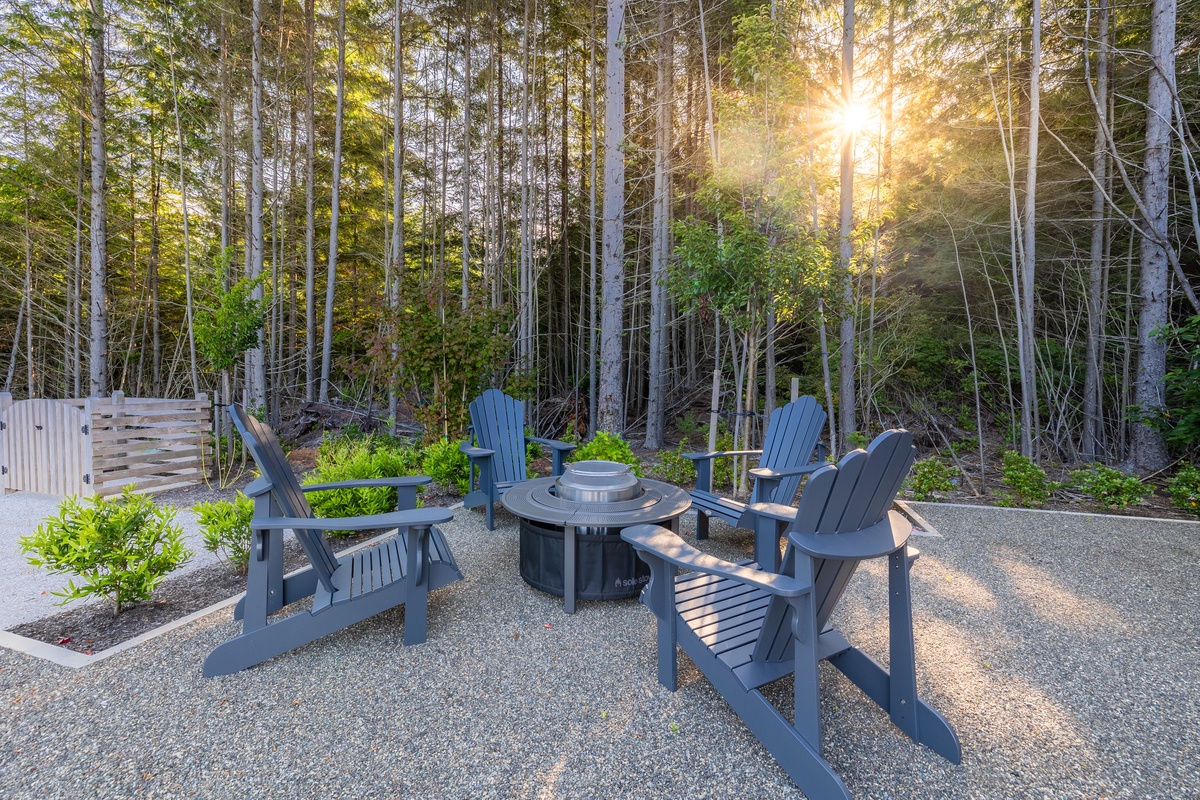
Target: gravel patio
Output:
[{"x": 1062, "y": 647}]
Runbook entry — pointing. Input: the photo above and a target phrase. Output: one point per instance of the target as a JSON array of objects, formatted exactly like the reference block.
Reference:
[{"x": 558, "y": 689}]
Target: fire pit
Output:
[{"x": 571, "y": 525}]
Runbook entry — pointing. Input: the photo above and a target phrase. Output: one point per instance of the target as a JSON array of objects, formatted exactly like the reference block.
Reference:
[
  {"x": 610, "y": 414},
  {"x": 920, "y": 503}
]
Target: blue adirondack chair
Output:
[
  {"x": 497, "y": 458},
  {"x": 745, "y": 627},
  {"x": 784, "y": 460},
  {"x": 400, "y": 570}
]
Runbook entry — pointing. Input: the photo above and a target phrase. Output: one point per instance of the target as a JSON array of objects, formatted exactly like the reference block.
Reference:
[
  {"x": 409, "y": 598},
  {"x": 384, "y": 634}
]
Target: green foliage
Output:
[
  {"x": 1178, "y": 419},
  {"x": 674, "y": 468},
  {"x": 345, "y": 459},
  {"x": 232, "y": 325},
  {"x": 857, "y": 439},
  {"x": 688, "y": 424},
  {"x": 121, "y": 548},
  {"x": 1108, "y": 487},
  {"x": 442, "y": 356},
  {"x": 226, "y": 529},
  {"x": 929, "y": 476},
  {"x": 533, "y": 450},
  {"x": 447, "y": 465},
  {"x": 1026, "y": 479},
  {"x": 722, "y": 468},
  {"x": 1184, "y": 489},
  {"x": 608, "y": 447}
]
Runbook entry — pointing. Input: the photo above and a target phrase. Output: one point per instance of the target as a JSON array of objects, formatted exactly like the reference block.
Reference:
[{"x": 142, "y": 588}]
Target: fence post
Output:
[
  {"x": 205, "y": 433},
  {"x": 5, "y": 403},
  {"x": 89, "y": 446},
  {"x": 795, "y": 389}
]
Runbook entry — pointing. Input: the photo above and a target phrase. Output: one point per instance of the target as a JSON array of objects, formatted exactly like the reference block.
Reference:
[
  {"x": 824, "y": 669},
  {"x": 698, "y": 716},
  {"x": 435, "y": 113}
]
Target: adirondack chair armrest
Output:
[
  {"x": 778, "y": 474},
  {"x": 717, "y": 453},
  {"x": 258, "y": 486},
  {"x": 884, "y": 537},
  {"x": 405, "y": 485},
  {"x": 776, "y": 511},
  {"x": 473, "y": 452},
  {"x": 416, "y": 518},
  {"x": 658, "y": 541},
  {"x": 559, "y": 455},
  {"x": 369, "y": 483}
]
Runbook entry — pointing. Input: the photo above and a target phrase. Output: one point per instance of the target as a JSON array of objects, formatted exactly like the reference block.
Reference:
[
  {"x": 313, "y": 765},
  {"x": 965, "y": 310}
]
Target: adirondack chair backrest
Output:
[
  {"x": 264, "y": 448},
  {"x": 792, "y": 433},
  {"x": 499, "y": 423},
  {"x": 855, "y": 494}
]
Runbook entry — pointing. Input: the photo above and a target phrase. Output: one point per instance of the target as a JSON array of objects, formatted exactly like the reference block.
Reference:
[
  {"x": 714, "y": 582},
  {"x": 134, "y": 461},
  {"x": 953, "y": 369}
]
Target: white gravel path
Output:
[{"x": 29, "y": 588}]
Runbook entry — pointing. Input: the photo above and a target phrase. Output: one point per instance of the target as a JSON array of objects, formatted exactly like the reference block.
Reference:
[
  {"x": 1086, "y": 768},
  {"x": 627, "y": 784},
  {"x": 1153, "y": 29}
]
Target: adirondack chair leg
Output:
[
  {"x": 264, "y": 584},
  {"x": 807, "y": 715},
  {"x": 902, "y": 651},
  {"x": 417, "y": 585},
  {"x": 767, "y": 533},
  {"x": 489, "y": 513},
  {"x": 701, "y": 526}
]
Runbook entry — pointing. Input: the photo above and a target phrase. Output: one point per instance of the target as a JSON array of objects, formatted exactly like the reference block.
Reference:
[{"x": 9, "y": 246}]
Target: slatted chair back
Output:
[
  {"x": 792, "y": 433},
  {"x": 499, "y": 424},
  {"x": 267, "y": 453},
  {"x": 855, "y": 494}
]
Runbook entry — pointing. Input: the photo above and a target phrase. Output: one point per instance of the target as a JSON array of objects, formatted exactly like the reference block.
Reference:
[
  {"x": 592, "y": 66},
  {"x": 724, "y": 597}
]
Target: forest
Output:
[{"x": 977, "y": 219}]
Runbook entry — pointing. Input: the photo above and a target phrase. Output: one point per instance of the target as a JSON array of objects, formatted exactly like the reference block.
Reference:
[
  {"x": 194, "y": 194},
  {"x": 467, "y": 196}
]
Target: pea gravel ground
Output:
[{"x": 1062, "y": 647}]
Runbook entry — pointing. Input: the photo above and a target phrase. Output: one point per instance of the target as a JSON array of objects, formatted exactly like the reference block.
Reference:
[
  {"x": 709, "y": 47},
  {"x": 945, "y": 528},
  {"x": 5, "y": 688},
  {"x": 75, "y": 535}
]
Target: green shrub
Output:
[
  {"x": 447, "y": 465},
  {"x": 929, "y": 476},
  {"x": 722, "y": 468},
  {"x": 857, "y": 439},
  {"x": 121, "y": 548},
  {"x": 1026, "y": 479},
  {"x": 226, "y": 528},
  {"x": 347, "y": 459},
  {"x": 607, "y": 447},
  {"x": 1184, "y": 489},
  {"x": 674, "y": 468},
  {"x": 1108, "y": 487}
]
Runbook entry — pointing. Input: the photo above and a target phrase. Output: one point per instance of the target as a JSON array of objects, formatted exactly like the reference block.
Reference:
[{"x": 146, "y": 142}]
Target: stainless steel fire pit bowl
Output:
[{"x": 571, "y": 526}]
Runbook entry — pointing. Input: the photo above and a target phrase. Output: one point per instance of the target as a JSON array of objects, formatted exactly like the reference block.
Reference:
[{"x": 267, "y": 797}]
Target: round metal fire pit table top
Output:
[{"x": 536, "y": 500}]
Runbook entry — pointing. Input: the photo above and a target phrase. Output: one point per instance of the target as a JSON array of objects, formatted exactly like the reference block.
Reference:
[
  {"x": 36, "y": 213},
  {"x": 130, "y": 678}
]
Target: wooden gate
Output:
[{"x": 45, "y": 446}]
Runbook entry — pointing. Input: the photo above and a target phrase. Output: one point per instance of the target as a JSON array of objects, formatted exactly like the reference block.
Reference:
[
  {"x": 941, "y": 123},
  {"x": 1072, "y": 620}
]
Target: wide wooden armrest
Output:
[
  {"x": 767, "y": 472},
  {"x": 556, "y": 444},
  {"x": 776, "y": 511},
  {"x": 669, "y": 547},
  {"x": 257, "y": 487},
  {"x": 716, "y": 453},
  {"x": 475, "y": 452},
  {"x": 885, "y": 536},
  {"x": 370, "y": 483},
  {"x": 417, "y": 518}
]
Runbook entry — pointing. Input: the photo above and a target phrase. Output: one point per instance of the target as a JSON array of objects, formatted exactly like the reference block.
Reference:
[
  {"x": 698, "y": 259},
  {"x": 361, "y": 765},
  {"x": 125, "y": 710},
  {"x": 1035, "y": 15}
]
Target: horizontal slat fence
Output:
[{"x": 152, "y": 443}]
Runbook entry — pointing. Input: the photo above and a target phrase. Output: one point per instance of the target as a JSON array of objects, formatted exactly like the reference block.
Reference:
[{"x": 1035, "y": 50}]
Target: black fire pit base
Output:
[{"x": 606, "y": 568}]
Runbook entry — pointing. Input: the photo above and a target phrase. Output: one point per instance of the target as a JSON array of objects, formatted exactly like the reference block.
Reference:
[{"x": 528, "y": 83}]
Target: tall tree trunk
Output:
[
  {"x": 593, "y": 260},
  {"x": 611, "y": 401},
  {"x": 156, "y": 388},
  {"x": 846, "y": 391},
  {"x": 1149, "y": 448},
  {"x": 1026, "y": 337},
  {"x": 660, "y": 231},
  {"x": 310, "y": 203},
  {"x": 466, "y": 166},
  {"x": 257, "y": 377},
  {"x": 331, "y": 274},
  {"x": 397, "y": 256},
  {"x": 1097, "y": 262},
  {"x": 98, "y": 309}
]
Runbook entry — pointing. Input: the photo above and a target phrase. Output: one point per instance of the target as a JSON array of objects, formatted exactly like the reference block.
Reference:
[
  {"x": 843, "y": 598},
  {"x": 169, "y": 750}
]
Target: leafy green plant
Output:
[
  {"x": 1184, "y": 489},
  {"x": 608, "y": 447},
  {"x": 121, "y": 548},
  {"x": 447, "y": 465},
  {"x": 674, "y": 468},
  {"x": 345, "y": 459},
  {"x": 226, "y": 528},
  {"x": 1026, "y": 479},
  {"x": 1108, "y": 487},
  {"x": 929, "y": 476},
  {"x": 857, "y": 439},
  {"x": 687, "y": 424},
  {"x": 722, "y": 468}
]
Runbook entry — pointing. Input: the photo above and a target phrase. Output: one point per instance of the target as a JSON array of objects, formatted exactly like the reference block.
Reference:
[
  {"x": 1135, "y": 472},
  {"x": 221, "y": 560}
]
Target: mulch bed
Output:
[{"x": 94, "y": 627}]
